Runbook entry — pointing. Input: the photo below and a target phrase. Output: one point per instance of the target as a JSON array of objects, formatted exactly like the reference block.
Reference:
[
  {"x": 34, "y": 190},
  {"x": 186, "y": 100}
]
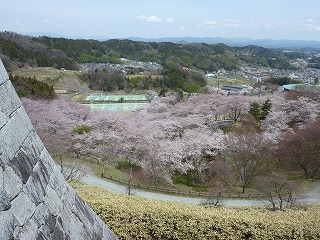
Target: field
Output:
[
  {"x": 64, "y": 79},
  {"x": 133, "y": 217}
]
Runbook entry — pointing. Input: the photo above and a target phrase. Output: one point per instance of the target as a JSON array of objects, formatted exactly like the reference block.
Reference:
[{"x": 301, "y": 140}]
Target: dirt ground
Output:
[{"x": 72, "y": 82}]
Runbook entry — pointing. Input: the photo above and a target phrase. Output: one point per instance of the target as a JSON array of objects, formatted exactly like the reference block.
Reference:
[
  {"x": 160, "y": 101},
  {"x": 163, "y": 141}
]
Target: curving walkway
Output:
[
  {"x": 92, "y": 180},
  {"x": 312, "y": 196}
]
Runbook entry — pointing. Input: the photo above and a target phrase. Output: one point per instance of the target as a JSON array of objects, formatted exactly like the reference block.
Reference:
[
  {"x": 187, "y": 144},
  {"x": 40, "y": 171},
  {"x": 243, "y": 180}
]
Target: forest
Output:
[{"x": 65, "y": 53}]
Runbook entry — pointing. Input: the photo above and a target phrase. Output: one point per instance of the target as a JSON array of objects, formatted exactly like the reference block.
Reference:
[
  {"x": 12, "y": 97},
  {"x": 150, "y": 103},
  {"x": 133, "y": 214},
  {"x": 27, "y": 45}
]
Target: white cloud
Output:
[
  {"x": 150, "y": 19},
  {"x": 209, "y": 24},
  {"x": 169, "y": 20},
  {"x": 154, "y": 19},
  {"x": 214, "y": 24}
]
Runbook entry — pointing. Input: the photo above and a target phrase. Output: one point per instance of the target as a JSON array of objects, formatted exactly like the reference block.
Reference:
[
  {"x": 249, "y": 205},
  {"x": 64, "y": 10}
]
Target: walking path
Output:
[
  {"x": 92, "y": 180},
  {"x": 312, "y": 196}
]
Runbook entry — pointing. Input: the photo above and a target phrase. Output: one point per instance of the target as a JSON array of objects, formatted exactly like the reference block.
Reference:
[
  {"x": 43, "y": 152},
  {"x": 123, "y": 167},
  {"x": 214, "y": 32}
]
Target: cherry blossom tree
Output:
[
  {"x": 286, "y": 115},
  {"x": 168, "y": 135},
  {"x": 235, "y": 107}
]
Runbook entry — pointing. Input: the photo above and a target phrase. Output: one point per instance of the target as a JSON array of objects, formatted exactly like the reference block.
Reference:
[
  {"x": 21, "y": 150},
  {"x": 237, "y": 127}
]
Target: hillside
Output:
[{"x": 18, "y": 50}]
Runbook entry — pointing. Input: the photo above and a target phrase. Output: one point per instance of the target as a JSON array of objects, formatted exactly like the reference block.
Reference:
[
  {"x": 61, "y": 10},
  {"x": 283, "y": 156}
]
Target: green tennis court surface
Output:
[
  {"x": 115, "y": 98},
  {"x": 129, "y": 107}
]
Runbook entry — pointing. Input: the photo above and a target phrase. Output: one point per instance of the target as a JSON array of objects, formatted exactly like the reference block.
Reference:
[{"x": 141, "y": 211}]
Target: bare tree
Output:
[
  {"x": 302, "y": 149},
  {"x": 72, "y": 168},
  {"x": 219, "y": 172},
  {"x": 216, "y": 195},
  {"x": 248, "y": 155},
  {"x": 278, "y": 190}
]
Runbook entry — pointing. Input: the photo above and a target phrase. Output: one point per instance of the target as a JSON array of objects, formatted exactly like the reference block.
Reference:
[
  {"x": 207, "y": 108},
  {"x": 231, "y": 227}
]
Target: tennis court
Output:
[
  {"x": 115, "y": 98},
  {"x": 124, "y": 107}
]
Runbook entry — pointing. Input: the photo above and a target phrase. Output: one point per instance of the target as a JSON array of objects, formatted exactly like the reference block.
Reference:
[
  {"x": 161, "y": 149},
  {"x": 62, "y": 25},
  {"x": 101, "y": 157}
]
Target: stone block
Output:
[
  {"x": 41, "y": 214},
  {"x": 22, "y": 165},
  {"x": 13, "y": 135},
  {"x": 3, "y": 119},
  {"x": 37, "y": 183},
  {"x": 68, "y": 196},
  {"x": 12, "y": 183},
  {"x": 58, "y": 232},
  {"x": 43, "y": 233},
  {"x": 27, "y": 232},
  {"x": 47, "y": 160},
  {"x": 45, "y": 221},
  {"x": 10, "y": 101},
  {"x": 67, "y": 199},
  {"x": 76, "y": 228},
  {"x": 81, "y": 210},
  {"x": 22, "y": 208},
  {"x": 6, "y": 225},
  {"x": 33, "y": 147},
  {"x": 57, "y": 181},
  {"x": 53, "y": 201},
  {"x": 5, "y": 204}
]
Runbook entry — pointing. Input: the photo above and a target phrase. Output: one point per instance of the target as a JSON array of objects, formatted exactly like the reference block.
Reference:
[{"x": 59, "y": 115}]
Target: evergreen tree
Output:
[
  {"x": 265, "y": 109},
  {"x": 260, "y": 112},
  {"x": 255, "y": 110}
]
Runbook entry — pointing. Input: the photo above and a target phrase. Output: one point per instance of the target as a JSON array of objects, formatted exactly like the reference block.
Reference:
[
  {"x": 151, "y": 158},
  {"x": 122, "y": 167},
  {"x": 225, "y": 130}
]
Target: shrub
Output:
[
  {"x": 132, "y": 217},
  {"x": 81, "y": 129}
]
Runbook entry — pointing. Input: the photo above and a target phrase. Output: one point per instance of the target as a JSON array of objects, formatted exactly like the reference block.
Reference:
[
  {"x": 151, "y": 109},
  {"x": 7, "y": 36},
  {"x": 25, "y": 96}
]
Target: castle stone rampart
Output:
[{"x": 35, "y": 200}]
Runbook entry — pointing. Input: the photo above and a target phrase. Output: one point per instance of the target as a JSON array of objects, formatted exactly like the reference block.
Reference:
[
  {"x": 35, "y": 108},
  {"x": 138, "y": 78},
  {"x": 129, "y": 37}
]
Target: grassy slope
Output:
[
  {"x": 139, "y": 218},
  {"x": 57, "y": 78}
]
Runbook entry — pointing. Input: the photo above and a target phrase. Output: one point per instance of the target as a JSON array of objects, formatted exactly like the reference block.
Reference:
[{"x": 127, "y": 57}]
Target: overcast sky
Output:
[{"x": 256, "y": 19}]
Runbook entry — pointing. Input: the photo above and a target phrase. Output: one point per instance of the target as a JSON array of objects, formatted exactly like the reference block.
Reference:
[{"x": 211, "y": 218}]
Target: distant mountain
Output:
[
  {"x": 54, "y": 35},
  {"x": 236, "y": 42},
  {"x": 230, "y": 41}
]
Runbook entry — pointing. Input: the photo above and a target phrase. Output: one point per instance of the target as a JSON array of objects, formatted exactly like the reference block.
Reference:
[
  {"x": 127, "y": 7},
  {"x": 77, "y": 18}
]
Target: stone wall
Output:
[{"x": 35, "y": 200}]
